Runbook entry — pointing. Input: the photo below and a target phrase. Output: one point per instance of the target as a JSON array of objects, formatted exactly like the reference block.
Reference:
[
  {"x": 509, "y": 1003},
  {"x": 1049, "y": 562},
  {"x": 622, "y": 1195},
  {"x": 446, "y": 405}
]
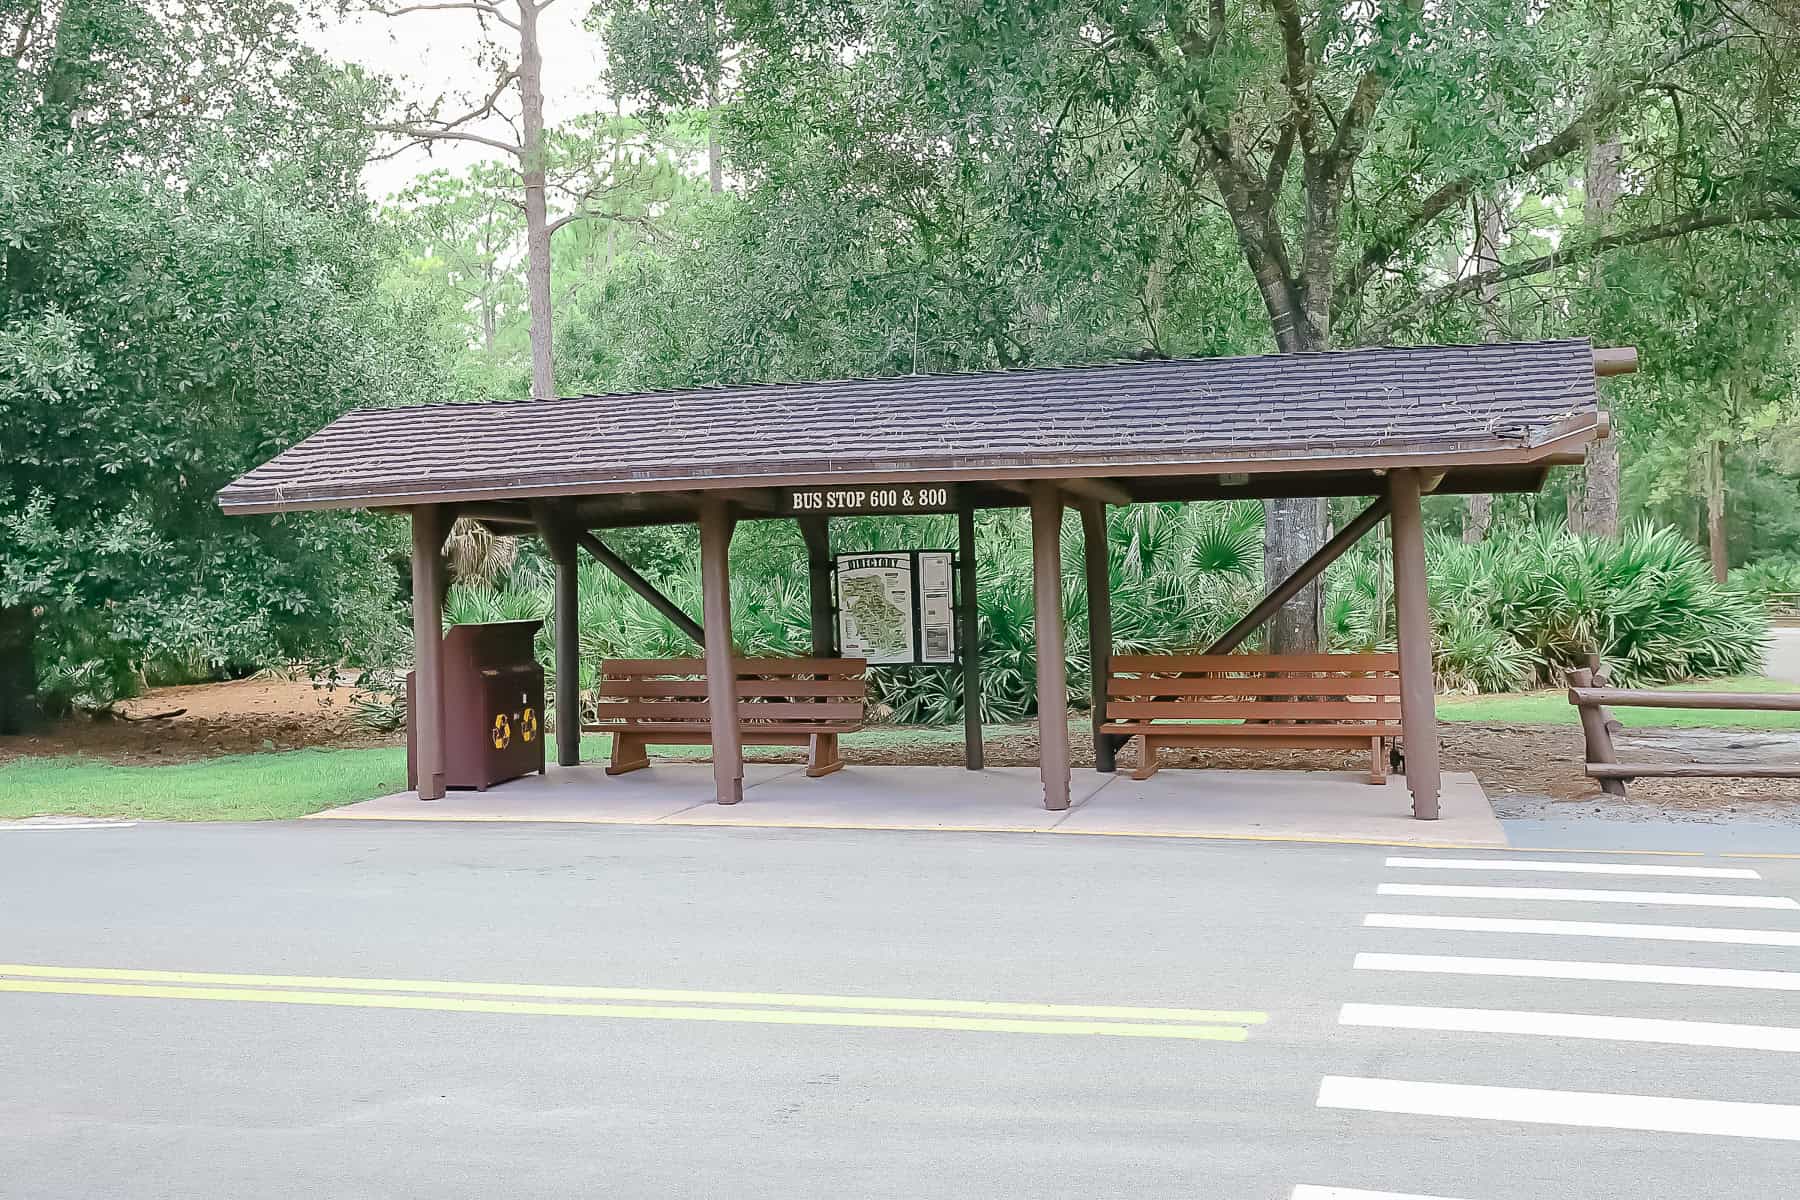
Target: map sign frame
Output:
[{"x": 896, "y": 607}]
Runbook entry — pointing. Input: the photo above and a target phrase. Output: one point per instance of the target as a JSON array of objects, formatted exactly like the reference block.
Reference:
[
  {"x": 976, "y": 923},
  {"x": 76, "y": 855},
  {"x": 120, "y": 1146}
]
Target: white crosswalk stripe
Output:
[
  {"x": 1598, "y": 896},
  {"x": 1540, "y": 1106},
  {"x": 1310, "y": 1192},
  {"x": 1600, "y": 929},
  {"x": 1543, "y": 968},
  {"x": 1573, "y": 1025},
  {"x": 1571, "y": 868}
]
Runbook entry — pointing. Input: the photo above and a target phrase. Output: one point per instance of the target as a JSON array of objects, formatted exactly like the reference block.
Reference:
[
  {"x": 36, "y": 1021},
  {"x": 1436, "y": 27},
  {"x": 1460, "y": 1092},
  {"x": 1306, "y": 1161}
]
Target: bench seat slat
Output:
[
  {"x": 1359, "y": 731},
  {"x": 1279, "y": 710},
  {"x": 703, "y": 730}
]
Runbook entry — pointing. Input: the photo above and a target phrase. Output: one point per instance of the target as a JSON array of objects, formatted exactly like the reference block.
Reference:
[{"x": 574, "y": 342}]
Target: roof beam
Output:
[{"x": 1614, "y": 360}]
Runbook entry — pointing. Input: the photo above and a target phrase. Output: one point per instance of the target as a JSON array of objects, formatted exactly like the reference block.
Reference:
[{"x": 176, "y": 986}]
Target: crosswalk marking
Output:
[
  {"x": 1538, "y": 968},
  {"x": 1538, "y": 1106},
  {"x": 1572, "y": 868},
  {"x": 1601, "y": 896},
  {"x": 1307, "y": 1191},
  {"x": 1656, "y": 933},
  {"x": 1574, "y": 1025}
]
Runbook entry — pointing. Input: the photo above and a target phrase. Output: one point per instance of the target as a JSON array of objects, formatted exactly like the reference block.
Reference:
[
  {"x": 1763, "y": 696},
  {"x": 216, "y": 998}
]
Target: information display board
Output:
[
  {"x": 897, "y": 608},
  {"x": 874, "y": 499}
]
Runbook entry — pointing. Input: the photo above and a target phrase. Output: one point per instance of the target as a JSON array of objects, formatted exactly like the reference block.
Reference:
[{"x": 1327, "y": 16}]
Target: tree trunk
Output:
[
  {"x": 1599, "y": 493},
  {"x": 18, "y": 670},
  {"x": 1715, "y": 510},
  {"x": 1493, "y": 329},
  {"x": 537, "y": 218},
  {"x": 1294, "y": 529},
  {"x": 1480, "y": 516},
  {"x": 715, "y": 172}
]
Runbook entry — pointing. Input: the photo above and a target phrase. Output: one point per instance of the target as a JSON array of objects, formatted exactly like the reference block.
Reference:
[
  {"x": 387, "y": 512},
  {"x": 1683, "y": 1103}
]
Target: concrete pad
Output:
[
  {"x": 1302, "y": 805},
  {"x": 585, "y": 793},
  {"x": 1001, "y": 799}
]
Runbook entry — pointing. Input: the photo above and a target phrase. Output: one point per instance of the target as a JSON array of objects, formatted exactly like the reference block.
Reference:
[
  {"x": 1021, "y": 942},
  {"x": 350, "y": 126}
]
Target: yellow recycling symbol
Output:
[
  {"x": 528, "y": 724},
  {"x": 502, "y": 731}
]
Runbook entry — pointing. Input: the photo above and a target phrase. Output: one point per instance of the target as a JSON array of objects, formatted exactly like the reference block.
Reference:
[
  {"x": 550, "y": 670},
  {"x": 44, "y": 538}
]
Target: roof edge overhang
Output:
[{"x": 1563, "y": 442}]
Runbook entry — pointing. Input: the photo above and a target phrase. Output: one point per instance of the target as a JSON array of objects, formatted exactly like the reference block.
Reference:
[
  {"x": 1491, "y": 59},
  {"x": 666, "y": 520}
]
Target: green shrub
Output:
[{"x": 1518, "y": 611}]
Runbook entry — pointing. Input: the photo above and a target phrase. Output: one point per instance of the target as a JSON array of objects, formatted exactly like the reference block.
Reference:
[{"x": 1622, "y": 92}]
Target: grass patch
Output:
[
  {"x": 1552, "y": 707},
  {"x": 242, "y": 787}
]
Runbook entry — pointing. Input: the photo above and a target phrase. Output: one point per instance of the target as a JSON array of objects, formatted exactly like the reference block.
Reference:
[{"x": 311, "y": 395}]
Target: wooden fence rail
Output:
[{"x": 1590, "y": 695}]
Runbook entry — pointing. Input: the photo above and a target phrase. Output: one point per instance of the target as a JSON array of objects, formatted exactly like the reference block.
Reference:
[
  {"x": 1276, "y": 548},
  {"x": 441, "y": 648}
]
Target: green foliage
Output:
[
  {"x": 1517, "y": 611},
  {"x": 188, "y": 282},
  {"x": 1509, "y": 613}
]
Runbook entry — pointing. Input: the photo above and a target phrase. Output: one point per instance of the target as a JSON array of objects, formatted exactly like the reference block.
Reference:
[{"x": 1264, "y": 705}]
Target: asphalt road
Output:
[{"x": 802, "y": 1025}]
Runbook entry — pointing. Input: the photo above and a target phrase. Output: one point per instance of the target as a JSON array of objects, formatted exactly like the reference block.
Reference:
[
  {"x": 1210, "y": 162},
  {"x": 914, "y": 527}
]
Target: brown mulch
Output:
[{"x": 250, "y": 715}]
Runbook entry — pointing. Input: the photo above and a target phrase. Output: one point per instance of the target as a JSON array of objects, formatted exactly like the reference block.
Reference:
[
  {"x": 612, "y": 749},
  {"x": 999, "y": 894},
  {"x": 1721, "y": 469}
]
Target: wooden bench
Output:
[
  {"x": 646, "y": 702},
  {"x": 1305, "y": 701},
  {"x": 1594, "y": 700}
]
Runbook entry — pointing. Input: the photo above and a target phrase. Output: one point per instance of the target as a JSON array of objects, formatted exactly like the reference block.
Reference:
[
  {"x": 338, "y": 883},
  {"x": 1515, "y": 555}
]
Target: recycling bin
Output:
[{"x": 493, "y": 706}]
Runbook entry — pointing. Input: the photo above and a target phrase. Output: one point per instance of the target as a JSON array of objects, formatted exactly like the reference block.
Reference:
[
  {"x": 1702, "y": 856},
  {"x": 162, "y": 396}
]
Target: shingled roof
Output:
[{"x": 1501, "y": 403}]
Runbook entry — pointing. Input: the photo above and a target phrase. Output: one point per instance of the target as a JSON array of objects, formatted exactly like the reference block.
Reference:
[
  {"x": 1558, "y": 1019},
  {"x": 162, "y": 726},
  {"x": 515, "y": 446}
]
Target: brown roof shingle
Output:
[{"x": 1136, "y": 418}]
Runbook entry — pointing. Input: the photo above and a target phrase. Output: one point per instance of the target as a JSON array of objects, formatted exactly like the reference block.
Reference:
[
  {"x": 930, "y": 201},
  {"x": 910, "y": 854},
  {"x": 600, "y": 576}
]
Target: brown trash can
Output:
[{"x": 494, "y": 726}]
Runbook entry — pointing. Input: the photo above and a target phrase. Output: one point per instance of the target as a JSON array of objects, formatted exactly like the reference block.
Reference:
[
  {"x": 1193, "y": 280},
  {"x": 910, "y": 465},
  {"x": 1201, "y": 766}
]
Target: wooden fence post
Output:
[{"x": 1594, "y": 730}]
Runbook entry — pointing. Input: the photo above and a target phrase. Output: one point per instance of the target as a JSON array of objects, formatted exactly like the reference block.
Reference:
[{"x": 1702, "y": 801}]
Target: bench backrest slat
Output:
[
  {"x": 827, "y": 691},
  {"x": 1170, "y": 664},
  {"x": 748, "y": 710},
  {"x": 776, "y": 667},
  {"x": 1361, "y": 688}
]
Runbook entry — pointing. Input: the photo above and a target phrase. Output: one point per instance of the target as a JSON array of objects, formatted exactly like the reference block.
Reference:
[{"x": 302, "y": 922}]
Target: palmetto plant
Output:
[{"x": 1508, "y": 612}]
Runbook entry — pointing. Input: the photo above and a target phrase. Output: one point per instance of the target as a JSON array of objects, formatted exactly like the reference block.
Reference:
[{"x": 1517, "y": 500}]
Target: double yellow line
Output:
[{"x": 655, "y": 1004}]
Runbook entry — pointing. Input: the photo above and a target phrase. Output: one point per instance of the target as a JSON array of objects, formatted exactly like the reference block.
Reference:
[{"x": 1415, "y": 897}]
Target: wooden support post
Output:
[
  {"x": 969, "y": 637},
  {"x": 716, "y": 522},
  {"x": 1594, "y": 730},
  {"x": 1418, "y": 692},
  {"x": 1052, "y": 683},
  {"x": 816, "y": 533},
  {"x": 559, "y": 539},
  {"x": 1095, "y": 561},
  {"x": 643, "y": 587},
  {"x": 430, "y": 526},
  {"x": 1309, "y": 570}
]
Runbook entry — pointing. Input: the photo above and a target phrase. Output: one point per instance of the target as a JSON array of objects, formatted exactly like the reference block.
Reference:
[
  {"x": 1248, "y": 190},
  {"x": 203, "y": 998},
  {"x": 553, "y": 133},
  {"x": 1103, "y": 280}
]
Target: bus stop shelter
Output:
[{"x": 1389, "y": 423}]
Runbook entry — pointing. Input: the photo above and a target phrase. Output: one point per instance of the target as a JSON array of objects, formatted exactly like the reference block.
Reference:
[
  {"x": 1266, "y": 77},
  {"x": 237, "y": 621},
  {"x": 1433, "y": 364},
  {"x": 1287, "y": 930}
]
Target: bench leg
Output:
[
  {"x": 822, "y": 757},
  {"x": 1377, "y": 771},
  {"x": 629, "y": 753},
  {"x": 1146, "y": 757}
]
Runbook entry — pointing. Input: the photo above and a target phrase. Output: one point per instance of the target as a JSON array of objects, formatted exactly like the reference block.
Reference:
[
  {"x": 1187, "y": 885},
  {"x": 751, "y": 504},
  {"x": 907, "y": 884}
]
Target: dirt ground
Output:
[
  {"x": 240, "y": 717},
  {"x": 1545, "y": 761}
]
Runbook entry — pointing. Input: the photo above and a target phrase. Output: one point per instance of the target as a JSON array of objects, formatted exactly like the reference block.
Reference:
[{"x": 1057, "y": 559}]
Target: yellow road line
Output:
[
  {"x": 753, "y": 1016},
  {"x": 996, "y": 1008}
]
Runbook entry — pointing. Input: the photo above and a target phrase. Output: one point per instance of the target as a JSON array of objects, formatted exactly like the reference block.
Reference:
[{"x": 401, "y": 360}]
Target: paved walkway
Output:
[
  {"x": 1782, "y": 659},
  {"x": 1301, "y": 805}
]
